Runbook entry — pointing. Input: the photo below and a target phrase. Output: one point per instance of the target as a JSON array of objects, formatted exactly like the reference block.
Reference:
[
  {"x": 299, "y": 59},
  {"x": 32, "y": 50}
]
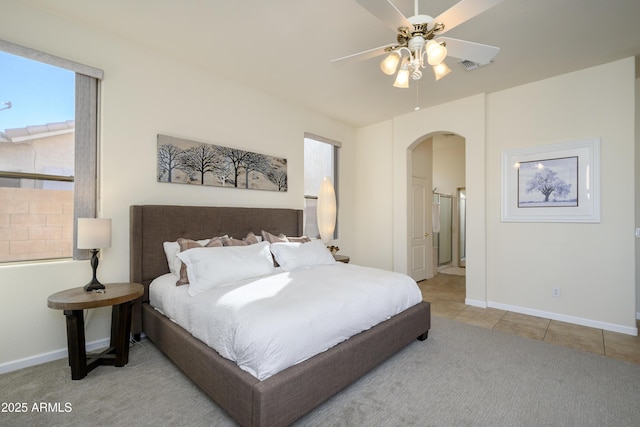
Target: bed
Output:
[{"x": 286, "y": 396}]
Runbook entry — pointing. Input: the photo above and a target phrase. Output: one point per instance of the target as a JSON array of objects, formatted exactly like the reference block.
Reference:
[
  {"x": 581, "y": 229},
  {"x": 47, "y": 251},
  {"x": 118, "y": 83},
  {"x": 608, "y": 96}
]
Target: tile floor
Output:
[{"x": 446, "y": 293}]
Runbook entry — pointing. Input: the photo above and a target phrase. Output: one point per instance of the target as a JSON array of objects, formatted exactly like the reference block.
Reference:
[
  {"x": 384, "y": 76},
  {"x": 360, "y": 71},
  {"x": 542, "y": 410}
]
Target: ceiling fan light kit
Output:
[{"x": 417, "y": 46}]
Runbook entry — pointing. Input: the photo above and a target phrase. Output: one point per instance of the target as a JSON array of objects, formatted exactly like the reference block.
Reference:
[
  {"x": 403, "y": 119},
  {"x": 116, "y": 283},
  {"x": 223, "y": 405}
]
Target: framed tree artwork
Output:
[
  {"x": 183, "y": 161},
  {"x": 552, "y": 183}
]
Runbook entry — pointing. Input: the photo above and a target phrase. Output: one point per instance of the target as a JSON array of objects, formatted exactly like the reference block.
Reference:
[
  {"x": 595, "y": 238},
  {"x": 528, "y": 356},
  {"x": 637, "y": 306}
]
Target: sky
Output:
[{"x": 39, "y": 93}]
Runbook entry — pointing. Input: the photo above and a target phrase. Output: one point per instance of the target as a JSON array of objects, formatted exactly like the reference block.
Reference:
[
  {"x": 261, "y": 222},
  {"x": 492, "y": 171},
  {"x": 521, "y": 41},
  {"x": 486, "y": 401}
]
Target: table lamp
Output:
[{"x": 93, "y": 234}]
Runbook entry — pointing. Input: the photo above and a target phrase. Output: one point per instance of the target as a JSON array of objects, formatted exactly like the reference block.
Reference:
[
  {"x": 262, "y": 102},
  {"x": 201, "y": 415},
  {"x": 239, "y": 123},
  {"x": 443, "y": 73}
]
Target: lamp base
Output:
[{"x": 93, "y": 286}]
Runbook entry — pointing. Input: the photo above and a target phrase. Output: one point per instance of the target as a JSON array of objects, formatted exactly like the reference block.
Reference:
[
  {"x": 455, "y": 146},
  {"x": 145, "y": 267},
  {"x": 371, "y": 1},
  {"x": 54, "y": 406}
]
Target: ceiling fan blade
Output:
[
  {"x": 463, "y": 11},
  {"x": 476, "y": 52},
  {"x": 361, "y": 56},
  {"x": 385, "y": 11}
]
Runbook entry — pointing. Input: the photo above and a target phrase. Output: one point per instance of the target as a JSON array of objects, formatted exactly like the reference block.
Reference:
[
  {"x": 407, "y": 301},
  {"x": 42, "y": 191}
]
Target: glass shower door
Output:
[{"x": 445, "y": 247}]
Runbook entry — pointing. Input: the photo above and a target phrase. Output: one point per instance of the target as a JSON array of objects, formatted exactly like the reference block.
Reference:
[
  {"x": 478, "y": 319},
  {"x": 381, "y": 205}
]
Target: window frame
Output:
[
  {"x": 335, "y": 178},
  {"x": 87, "y": 101}
]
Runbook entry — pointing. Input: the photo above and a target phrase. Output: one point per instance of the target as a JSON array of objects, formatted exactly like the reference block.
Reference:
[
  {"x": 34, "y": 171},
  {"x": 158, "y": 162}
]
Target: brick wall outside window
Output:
[{"x": 35, "y": 224}]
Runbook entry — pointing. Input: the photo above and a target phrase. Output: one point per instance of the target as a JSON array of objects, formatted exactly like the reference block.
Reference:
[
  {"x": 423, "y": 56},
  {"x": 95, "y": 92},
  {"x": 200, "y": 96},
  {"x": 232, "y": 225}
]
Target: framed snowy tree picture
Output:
[{"x": 552, "y": 183}]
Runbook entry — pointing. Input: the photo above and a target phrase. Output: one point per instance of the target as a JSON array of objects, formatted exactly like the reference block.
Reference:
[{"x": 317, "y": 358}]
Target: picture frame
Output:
[{"x": 557, "y": 182}]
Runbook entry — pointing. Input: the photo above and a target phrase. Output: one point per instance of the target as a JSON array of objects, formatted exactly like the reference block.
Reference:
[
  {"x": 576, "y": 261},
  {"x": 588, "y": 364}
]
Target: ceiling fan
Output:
[{"x": 419, "y": 42}]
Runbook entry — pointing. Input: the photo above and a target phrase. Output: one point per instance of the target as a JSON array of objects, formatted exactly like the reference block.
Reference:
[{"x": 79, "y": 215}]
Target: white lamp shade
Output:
[
  {"x": 326, "y": 210},
  {"x": 389, "y": 65},
  {"x": 94, "y": 233},
  {"x": 441, "y": 70},
  {"x": 402, "y": 79},
  {"x": 435, "y": 52}
]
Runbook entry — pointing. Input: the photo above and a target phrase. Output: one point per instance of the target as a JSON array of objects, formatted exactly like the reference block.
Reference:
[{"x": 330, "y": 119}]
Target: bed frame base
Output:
[{"x": 290, "y": 394}]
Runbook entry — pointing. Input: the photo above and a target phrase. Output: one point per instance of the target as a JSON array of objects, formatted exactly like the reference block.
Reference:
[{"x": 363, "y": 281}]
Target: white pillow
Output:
[
  {"x": 292, "y": 256},
  {"x": 171, "y": 250},
  {"x": 209, "y": 268}
]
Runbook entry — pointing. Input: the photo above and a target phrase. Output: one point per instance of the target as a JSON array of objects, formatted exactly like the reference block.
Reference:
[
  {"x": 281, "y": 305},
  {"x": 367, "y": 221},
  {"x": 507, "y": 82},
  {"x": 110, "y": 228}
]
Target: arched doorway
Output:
[{"x": 435, "y": 210}]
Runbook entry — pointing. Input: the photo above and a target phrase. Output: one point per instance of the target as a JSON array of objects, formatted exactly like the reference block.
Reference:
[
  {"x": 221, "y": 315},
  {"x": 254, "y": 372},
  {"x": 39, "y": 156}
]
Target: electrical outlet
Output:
[{"x": 555, "y": 292}]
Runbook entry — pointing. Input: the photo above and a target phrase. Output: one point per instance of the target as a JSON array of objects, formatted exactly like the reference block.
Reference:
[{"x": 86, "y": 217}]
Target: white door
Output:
[{"x": 421, "y": 251}]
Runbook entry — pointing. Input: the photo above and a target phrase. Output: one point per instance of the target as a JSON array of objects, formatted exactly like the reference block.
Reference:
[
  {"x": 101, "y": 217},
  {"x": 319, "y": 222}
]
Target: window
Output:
[
  {"x": 320, "y": 160},
  {"x": 48, "y": 146}
]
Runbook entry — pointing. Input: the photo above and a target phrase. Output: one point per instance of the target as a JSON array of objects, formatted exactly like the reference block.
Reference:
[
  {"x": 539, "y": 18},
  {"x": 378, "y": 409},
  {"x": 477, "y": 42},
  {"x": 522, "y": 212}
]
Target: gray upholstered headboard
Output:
[{"x": 151, "y": 225}]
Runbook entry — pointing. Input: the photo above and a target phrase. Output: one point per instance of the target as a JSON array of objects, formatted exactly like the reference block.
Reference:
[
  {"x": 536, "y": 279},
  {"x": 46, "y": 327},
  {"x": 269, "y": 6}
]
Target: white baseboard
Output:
[
  {"x": 568, "y": 319},
  {"x": 475, "y": 303},
  {"x": 14, "y": 365}
]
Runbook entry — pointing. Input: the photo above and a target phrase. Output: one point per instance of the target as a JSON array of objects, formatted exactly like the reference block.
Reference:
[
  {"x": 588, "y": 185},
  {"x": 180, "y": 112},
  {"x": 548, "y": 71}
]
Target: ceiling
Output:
[{"x": 284, "y": 47}]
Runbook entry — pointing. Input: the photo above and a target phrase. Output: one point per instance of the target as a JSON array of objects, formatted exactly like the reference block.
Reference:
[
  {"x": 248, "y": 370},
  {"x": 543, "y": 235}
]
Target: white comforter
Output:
[{"x": 270, "y": 323}]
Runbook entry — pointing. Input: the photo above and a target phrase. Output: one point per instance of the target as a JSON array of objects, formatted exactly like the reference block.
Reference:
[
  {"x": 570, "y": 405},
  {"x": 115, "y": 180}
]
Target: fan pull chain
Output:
[{"x": 417, "y": 107}]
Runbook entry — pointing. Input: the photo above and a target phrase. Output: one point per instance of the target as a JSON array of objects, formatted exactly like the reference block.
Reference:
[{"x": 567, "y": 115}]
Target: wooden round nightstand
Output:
[{"x": 73, "y": 301}]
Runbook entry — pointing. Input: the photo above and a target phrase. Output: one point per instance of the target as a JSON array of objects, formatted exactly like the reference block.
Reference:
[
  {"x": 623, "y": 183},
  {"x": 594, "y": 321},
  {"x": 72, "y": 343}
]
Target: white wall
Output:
[
  {"x": 592, "y": 264},
  {"x": 145, "y": 93},
  {"x": 373, "y": 237},
  {"x": 515, "y": 265}
]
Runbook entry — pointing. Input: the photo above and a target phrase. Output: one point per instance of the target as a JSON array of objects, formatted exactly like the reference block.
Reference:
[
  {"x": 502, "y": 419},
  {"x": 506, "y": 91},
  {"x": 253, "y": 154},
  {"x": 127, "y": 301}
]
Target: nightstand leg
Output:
[
  {"x": 120, "y": 329},
  {"x": 76, "y": 343}
]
